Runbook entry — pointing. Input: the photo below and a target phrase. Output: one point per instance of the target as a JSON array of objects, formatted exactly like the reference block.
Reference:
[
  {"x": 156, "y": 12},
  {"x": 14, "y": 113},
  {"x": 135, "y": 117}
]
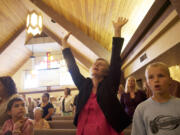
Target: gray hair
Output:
[{"x": 38, "y": 109}]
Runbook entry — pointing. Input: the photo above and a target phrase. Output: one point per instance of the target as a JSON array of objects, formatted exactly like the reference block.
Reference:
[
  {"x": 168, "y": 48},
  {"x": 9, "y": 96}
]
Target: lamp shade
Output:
[{"x": 34, "y": 23}]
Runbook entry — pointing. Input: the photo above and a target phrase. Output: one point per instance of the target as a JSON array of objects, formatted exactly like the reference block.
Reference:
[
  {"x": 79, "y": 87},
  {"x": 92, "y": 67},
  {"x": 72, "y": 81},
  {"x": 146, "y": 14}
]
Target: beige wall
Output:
[
  {"x": 52, "y": 94},
  {"x": 162, "y": 39},
  {"x": 19, "y": 75}
]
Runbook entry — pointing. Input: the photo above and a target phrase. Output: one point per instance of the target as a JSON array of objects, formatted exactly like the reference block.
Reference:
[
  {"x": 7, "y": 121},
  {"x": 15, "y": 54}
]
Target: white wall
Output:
[
  {"x": 19, "y": 75},
  {"x": 162, "y": 39}
]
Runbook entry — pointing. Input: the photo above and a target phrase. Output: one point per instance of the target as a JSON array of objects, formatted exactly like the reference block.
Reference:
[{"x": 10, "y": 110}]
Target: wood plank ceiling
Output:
[
  {"x": 12, "y": 20},
  {"x": 94, "y": 17},
  {"x": 91, "y": 18},
  {"x": 12, "y": 17}
]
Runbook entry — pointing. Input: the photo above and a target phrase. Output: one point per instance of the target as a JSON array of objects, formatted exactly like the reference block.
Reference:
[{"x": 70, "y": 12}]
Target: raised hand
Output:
[
  {"x": 18, "y": 125},
  {"x": 64, "y": 41},
  {"x": 118, "y": 25}
]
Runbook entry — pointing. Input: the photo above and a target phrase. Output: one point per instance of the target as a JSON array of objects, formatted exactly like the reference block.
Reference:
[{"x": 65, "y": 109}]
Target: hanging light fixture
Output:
[
  {"x": 34, "y": 23},
  {"x": 33, "y": 58}
]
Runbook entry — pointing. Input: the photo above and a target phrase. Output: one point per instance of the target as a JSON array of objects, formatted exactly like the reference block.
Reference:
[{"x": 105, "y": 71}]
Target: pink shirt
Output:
[
  {"x": 27, "y": 128},
  {"x": 92, "y": 121}
]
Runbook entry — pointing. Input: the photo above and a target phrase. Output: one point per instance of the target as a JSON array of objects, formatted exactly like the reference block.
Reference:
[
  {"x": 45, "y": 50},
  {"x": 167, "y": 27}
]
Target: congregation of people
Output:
[
  {"x": 104, "y": 105},
  {"x": 22, "y": 116}
]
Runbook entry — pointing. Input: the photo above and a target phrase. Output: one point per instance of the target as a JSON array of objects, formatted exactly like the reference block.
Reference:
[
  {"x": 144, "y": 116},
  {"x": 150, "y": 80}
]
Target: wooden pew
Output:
[
  {"x": 55, "y": 132},
  {"x": 56, "y": 117},
  {"x": 61, "y": 124}
]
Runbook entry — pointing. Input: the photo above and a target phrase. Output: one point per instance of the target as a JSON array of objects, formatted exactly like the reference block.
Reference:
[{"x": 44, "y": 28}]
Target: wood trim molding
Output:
[
  {"x": 44, "y": 91},
  {"x": 155, "y": 12},
  {"x": 176, "y": 5}
]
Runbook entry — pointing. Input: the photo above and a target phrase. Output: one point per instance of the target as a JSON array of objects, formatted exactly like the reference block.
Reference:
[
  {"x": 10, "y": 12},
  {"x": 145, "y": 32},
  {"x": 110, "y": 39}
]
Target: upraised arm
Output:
[
  {"x": 77, "y": 77},
  {"x": 115, "y": 64},
  {"x": 118, "y": 25}
]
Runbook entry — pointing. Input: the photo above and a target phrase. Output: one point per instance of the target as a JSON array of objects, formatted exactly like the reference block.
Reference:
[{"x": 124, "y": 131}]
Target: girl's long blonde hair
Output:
[{"x": 126, "y": 85}]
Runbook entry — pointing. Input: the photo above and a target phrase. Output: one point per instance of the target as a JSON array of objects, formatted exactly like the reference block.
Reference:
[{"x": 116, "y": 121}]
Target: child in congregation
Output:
[
  {"x": 160, "y": 114},
  {"x": 39, "y": 122},
  {"x": 18, "y": 124}
]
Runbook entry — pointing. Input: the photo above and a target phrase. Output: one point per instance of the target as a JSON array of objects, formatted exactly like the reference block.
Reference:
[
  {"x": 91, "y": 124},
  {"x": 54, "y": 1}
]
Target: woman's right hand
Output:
[{"x": 64, "y": 41}]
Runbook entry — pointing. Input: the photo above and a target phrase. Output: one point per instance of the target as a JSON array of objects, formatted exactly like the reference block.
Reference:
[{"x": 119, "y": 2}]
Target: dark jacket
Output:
[
  {"x": 107, "y": 88},
  {"x": 130, "y": 104}
]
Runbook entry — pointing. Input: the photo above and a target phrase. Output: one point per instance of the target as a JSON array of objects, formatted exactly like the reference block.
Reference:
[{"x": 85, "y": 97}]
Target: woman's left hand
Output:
[{"x": 118, "y": 25}]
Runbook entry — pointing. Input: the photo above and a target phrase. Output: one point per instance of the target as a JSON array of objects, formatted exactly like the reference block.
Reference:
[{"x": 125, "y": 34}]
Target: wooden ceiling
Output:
[
  {"x": 12, "y": 36},
  {"x": 14, "y": 56},
  {"x": 90, "y": 22},
  {"x": 94, "y": 17},
  {"x": 12, "y": 17}
]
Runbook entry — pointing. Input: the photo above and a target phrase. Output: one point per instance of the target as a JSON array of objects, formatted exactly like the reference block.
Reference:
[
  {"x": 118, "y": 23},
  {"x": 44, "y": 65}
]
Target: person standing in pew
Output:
[
  {"x": 132, "y": 96},
  {"x": 30, "y": 106},
  {"x": 98, "y": 110},
  {"x": 66, "y": 103},
  {"x": 47, "y": 107},
  {"x": 159, "y": 114}
]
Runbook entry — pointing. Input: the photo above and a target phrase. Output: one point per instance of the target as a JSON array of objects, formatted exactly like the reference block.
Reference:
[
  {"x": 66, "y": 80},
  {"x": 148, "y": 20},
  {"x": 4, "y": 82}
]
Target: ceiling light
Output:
[{"x": 34, "y": 23}]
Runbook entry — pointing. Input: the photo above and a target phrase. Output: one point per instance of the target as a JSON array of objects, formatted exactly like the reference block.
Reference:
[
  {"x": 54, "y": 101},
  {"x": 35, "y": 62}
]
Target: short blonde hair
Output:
[
  {"x": 161, "y": 65},
  {"x": 126, "y": 85}
]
